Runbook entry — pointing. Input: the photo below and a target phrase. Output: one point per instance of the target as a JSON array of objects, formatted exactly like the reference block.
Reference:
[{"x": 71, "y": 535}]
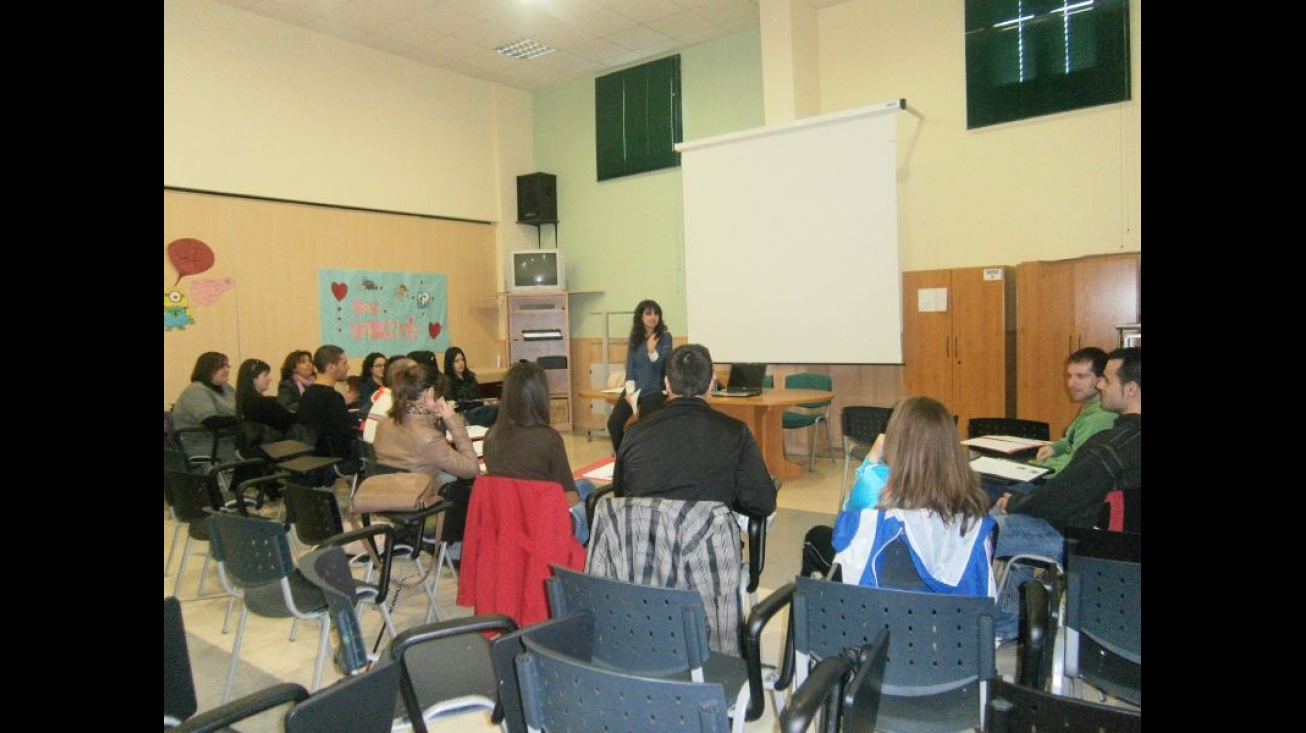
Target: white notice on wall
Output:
[{"x": 932, "y": 300}]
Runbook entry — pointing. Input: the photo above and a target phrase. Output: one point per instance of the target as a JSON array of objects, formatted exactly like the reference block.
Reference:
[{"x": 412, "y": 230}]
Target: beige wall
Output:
[
  {"x": 1051, "y": 187},
  {"x": 272, "y": 252}
]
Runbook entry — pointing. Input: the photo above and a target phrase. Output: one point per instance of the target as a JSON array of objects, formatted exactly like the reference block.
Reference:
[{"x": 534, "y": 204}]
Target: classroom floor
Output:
[{"x": 268, "y": 656}]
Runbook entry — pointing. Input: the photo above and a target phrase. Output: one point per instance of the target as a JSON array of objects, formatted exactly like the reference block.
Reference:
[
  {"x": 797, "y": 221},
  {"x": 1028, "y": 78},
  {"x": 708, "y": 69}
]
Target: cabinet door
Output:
[
  {"x": 981, "y": 344},
  {"x": 1046, "y": 335},
  {"x": 927, "y": 342},
  {"x": 1106, "y": 295}
]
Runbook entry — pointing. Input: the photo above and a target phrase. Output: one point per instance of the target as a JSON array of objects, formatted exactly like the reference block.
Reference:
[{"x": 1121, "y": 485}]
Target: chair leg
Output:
[
  {"x": 172, "y": 549},
  {"x": 829, "y": 442},
  {"x": 181, "y": 566},
  {"x": 235, "y": 655},
  {"x": 323, "y": 645}
]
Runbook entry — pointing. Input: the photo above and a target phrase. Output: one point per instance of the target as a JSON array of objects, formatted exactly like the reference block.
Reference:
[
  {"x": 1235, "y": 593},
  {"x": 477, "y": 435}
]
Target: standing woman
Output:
[
  {"x": 646, "y": 357},
  {"x": 208, "y": 401},
  {"x": 296, "y": 376},
  {"x": 522, "y": 445},
  {"x": 462, "y": 389}
]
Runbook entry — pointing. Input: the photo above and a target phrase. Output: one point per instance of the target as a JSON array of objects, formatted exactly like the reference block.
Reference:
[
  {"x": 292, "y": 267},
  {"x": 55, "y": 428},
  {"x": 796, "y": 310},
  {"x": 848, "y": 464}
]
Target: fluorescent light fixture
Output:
[{"x": 525, "y": 49}]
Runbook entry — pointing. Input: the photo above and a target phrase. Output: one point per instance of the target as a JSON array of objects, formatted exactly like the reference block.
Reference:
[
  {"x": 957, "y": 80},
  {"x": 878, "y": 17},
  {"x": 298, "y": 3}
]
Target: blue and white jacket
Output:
[{"x": 947, "y": 561}]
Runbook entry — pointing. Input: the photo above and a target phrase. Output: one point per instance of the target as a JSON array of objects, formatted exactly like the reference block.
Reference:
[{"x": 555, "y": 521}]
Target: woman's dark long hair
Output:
[
  {"x": 245, "y": 392},
  {"x": 453, "y": 352},
  {"x": 524, "y": 402},
  {"x": 637, "y": 334}
]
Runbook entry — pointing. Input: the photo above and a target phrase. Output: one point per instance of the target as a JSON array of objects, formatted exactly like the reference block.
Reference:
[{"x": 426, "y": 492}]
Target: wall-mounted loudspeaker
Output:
[{"x": 537, "y": 199}]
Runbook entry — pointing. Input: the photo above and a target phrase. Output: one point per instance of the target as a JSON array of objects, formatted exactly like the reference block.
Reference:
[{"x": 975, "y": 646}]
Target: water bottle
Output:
[{"x": 867, "y": 482}]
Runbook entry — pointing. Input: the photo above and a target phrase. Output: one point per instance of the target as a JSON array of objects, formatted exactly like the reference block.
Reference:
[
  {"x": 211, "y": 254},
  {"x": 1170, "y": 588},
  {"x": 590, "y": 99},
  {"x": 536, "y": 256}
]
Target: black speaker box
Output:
[{"x": 537, "y": 199}]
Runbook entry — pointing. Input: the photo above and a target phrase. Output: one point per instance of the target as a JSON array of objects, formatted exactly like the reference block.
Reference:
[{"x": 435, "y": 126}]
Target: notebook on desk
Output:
[
  {"x": 745, "y": 381},
  {"x": 1006, "y": 471}
]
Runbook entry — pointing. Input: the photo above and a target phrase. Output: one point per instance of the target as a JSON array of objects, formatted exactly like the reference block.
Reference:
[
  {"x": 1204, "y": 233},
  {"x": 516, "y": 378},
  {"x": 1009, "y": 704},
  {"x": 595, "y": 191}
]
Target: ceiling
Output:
[{"x": 592, "y": 37}]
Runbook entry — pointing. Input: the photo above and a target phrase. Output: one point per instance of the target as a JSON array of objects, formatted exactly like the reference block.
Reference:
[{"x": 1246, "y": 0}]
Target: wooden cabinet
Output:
[
  {"x": 958, "y": 338},
  {"x": 538, "y": 327},
  {"x": 1063, "y": 306}
]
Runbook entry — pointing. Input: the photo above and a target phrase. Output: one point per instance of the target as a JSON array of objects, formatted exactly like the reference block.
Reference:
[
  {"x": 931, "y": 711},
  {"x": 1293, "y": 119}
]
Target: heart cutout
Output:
[
  {"x": 433, "y": 329},
  {"x": 340, "y": 290}
]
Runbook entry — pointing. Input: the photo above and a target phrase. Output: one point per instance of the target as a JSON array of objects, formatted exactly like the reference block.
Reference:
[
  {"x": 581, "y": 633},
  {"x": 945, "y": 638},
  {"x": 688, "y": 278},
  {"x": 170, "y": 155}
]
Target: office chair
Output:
[
  {"x": 179, "y": 700},
  {"x": 861, "y": 425},
  {"x": 672, "y": 638},
  {"x": 561, "y": 694},
  {"x": 810, "y": 414},
  {"x": 844, "y": 686},
  {"x": 941, "y": 649},
  {"x": 1103, "y": 618}
]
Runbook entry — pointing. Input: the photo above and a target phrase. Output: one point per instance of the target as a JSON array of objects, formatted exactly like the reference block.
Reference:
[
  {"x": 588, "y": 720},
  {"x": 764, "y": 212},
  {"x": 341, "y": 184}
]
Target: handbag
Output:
[{"x": 395, "y": 492}]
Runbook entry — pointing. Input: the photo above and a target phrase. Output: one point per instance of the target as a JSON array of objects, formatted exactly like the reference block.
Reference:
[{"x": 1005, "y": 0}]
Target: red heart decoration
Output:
[
  {"x": 339, "y": 290},
  {"x": 433, "y": 329}
]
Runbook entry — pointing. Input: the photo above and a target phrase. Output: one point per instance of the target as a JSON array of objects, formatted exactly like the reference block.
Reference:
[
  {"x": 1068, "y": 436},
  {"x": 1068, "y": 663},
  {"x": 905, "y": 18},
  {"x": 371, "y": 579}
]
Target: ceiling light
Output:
[{"x": 525, "y": 49}]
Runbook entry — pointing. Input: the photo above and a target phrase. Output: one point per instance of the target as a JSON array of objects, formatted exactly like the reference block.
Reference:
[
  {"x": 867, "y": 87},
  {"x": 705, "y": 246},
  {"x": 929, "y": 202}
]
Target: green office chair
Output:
[{"x": 810, "y": 414}]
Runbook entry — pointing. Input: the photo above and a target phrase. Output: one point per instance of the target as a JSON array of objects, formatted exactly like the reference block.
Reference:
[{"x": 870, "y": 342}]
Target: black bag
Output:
[{"x": 455, "y": 518}]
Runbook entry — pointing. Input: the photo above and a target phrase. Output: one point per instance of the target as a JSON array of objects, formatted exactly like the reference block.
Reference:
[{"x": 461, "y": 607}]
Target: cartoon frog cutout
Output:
[{"x": 176, "y": 311}]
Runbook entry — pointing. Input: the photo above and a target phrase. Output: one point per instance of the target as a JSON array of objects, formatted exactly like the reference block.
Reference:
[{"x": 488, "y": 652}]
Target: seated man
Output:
[
  {"x": 1111, "y": 460},
  {"x": 322, "y": 408},
  {"x": 690, "y": 451},
  {"x": 1083, "y": 370}
]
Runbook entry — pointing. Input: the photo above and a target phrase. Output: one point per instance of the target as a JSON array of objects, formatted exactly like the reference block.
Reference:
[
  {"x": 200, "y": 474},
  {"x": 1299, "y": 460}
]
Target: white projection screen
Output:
[{"x": 791, "y": 241}]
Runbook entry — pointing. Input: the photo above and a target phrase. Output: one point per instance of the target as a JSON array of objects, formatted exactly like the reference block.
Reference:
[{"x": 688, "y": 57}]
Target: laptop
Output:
[{"x": 745, "y": 381}]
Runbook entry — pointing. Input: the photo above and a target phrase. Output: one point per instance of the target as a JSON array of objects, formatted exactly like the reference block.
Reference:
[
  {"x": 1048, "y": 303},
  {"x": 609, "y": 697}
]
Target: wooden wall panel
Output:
[{"x": 273, "y": 250}]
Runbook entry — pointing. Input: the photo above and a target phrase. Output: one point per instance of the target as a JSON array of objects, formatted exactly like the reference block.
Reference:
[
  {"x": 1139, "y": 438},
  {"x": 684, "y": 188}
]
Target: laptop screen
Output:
[{"x": 746, "y": 376}]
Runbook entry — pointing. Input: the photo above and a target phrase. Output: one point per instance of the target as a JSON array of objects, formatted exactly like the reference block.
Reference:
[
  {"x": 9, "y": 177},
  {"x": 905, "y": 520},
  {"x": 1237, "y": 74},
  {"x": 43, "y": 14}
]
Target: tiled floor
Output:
[{"x": 268, "y": 655}]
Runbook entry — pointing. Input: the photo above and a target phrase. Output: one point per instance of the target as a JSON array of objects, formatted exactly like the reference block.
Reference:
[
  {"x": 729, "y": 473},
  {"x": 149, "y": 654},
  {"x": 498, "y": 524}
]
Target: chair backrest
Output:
[
  {"x": 810, "y": 380},
  {"x": 255, "y": 551},
  {"x": 690, "y": 545},
  {"x": 179, "y": 700},
  {"x": 1032, "y": 429},
  {"x": 1014, "y": 708},
  {"x": 1103, "y": 619},
  {"x": 192, "y": 496},
  {"x": 561, "y": 694},
  {"x": 863, "y": 423},
  {"x": 363, "y": 703},
  {"x": 671, "y": 622},
  {"x": 328, "y": 569},
  {"x": 313, "y": 512},
  {"x": 941, "y": 647},
  {"x": 572, "y": 634}
]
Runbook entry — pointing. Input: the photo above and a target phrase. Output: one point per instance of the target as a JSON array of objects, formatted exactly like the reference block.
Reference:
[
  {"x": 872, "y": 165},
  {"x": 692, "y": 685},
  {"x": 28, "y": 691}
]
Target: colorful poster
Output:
[{"x": 391, "y": 312}]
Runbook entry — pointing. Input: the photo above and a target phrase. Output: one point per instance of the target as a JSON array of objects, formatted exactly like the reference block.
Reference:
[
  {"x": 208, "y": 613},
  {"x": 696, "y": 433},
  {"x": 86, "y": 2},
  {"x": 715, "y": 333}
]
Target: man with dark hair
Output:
[
  {"x": 1111, "y": 460},
  {"x": 1083, "y": 370},
  {"x": 1035, "y": 523},
  {"x": 322, "y": 408},
  {"x": 689, "y": 451}
]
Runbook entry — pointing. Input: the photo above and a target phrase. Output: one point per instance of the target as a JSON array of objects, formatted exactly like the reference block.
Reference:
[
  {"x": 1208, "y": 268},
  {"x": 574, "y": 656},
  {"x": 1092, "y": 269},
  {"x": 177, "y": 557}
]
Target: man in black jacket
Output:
[{"x": 689, "y": 451}]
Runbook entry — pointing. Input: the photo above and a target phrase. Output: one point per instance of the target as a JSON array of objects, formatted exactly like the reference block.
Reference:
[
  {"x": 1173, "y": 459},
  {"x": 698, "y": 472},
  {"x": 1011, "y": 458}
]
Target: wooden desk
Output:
[{"x": 762, "y": 416}]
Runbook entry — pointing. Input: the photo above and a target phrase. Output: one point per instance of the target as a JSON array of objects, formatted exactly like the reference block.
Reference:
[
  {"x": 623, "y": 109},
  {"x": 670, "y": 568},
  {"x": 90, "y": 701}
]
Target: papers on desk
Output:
[
  {"x": 1004, "y": 443},
  {"x": 1005, "y": 469},
  {"x": 602, "y": 473}
]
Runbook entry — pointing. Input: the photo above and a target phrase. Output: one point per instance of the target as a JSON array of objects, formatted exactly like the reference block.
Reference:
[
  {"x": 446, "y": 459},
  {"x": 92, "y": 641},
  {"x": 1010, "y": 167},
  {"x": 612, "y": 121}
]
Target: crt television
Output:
[{"x": 536, "y": 269}]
